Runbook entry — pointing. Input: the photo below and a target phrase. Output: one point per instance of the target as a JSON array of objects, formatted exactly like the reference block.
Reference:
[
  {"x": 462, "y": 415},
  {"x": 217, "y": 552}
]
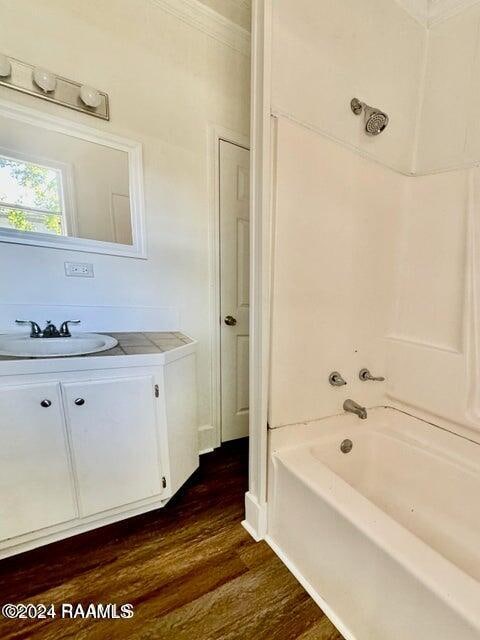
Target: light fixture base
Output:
[{"x": 63, "y": 92}]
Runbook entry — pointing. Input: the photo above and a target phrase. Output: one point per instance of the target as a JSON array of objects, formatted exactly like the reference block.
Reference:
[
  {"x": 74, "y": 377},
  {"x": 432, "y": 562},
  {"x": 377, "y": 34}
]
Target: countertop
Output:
[{"x": 131, "y": 343}]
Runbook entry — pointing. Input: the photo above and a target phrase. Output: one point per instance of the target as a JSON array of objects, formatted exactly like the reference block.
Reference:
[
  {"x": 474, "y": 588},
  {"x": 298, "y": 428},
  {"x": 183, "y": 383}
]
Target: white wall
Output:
[
  {"x": 335, "y": 225},
  {"x": 326, "y": 53},
  {"x": 338, "y": 197},
  {"x": 449, "y": 128},
  {"x": 376, "y": 263},
  {"x": 433, "y": 356},
  {"x": 428, "y": 362},
  {"x": 167, "y": 82}
]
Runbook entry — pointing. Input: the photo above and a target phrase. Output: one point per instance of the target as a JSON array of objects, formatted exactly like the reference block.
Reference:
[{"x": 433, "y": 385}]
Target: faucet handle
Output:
[
  {"x": 366, "y": 375},
  {"x": 336, "y": 379},
  {"x": 64, "y": 330},
  {"x": 35, "y": 331}
]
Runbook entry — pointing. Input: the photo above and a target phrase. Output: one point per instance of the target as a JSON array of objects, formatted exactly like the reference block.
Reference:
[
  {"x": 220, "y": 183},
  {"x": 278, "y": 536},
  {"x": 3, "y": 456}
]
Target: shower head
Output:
[{"x": 375, "y": 120}]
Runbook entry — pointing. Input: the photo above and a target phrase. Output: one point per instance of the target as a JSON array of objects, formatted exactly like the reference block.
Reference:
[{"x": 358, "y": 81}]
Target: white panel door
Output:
[
  {"x": 114, "y": 441},
  {"x": 36, "y": 486},
  {"x": 234, "y": 288}
]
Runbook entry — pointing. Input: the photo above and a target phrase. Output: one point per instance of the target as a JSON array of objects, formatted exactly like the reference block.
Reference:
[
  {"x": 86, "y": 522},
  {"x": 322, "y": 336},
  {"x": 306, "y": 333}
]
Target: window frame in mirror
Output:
[
  {"x": 132, "y": 148},
  {"x": 68, "y": 201}
]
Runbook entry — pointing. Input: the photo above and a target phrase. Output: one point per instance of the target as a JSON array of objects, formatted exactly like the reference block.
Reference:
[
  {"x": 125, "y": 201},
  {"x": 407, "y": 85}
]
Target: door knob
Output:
[
  {"x": 46, "y": 403},
  {"x": 230, "y": 321},
  {"x": 79, "y": 402}
]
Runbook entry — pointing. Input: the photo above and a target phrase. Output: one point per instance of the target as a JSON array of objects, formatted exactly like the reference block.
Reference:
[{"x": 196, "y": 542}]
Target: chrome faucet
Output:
[
  {"x": 350, "y": 406},
  {"x": 35, "y": 331},
  {"x": 64, "y": 328},
  {"x": 50, "y": 331}
]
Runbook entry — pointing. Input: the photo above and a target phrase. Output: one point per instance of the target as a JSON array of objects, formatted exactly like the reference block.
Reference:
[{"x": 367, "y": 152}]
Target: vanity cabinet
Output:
[
  {"x": 112, "y": 428},
  {"x": 36, "y": 489},
  {"x": 86, "y": 442}
]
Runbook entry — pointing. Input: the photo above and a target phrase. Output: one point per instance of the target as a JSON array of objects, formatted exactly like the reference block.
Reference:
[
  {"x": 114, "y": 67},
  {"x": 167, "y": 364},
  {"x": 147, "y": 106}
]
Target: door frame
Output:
[
  {"x": 262, "y": 203},
  {"x": 211, "y": 434}
]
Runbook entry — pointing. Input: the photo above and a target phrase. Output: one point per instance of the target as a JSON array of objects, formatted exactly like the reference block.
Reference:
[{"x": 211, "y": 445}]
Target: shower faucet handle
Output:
[
  {"x": 336, "y": 379},
  {"x": 366, "y": 375}
]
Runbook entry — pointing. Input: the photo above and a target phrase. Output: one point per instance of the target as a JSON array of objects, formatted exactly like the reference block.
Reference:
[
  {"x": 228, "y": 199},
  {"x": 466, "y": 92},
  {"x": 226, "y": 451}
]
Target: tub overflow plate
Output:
[{"x": 346, "y": 446}]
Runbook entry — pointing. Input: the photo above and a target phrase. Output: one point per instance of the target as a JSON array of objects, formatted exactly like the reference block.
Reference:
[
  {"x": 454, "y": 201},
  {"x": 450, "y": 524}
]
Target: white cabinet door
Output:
[
  {"x": 36, "y": 487},
  {"x": 114, "y": 441}
]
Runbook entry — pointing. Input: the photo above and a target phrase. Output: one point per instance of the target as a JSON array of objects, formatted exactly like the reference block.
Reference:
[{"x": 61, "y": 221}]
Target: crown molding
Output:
[{"x": 201, "y": 17}]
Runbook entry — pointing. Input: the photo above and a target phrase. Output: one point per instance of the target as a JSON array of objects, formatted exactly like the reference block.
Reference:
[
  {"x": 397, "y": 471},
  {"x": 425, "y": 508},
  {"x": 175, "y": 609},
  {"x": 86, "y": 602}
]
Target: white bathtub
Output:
[{"x": 386, "y": 538}]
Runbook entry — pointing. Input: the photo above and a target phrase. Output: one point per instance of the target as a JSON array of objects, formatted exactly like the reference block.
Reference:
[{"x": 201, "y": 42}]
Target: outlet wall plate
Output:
[{"x": 79, "y": 269}]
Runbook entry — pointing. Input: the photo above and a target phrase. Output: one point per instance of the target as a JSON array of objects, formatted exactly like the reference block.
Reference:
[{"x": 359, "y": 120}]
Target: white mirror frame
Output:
[{"x": 135, "y": 177}]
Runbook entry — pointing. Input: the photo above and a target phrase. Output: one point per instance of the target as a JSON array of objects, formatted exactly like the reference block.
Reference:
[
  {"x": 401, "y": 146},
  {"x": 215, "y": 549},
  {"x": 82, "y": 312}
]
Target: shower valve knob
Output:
[
  {"x": 366, "y": 375},
  {"x": 336, "y": 380}
]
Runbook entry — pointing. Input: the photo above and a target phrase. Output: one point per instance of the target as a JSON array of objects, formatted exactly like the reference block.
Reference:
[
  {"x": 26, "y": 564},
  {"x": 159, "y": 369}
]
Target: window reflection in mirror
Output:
[
  {"x": 60, "y": 185},
  {"x": 31, "y": 197}
]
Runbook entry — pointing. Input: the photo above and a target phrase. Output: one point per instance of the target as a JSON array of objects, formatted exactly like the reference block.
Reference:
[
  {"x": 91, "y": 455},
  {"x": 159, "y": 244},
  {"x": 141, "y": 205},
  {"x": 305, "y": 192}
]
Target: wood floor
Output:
[{"x": 190, "y": 570}]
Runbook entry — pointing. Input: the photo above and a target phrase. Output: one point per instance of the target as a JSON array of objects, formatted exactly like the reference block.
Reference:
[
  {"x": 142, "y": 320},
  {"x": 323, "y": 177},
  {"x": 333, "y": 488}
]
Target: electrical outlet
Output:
[{"x": 79, "y": 269}]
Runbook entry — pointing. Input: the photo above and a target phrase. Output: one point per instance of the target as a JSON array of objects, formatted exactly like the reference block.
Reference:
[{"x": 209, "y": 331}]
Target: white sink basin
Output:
[{"x": 77, "y": 345}]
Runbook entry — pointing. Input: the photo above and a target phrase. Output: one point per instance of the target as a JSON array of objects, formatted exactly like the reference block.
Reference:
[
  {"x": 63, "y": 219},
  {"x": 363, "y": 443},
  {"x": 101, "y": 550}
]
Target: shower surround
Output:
[
  {"x": 374, "y": 264},
  {"x": 385, "y": 225}
]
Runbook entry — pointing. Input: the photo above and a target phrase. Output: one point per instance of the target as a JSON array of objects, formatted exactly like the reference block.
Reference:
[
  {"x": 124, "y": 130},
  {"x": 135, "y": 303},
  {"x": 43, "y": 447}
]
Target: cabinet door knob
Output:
[
  {"x": 79, "y": 402},
  {"x": 46, "y": 403}
]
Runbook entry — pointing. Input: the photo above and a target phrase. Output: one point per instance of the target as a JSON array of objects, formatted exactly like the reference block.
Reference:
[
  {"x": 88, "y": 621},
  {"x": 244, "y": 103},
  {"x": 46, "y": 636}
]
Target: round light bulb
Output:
[
  {"x": 44, "y": 79},
  {"x": 90, "y": 96},
  {"x": 5, "y": 66}
]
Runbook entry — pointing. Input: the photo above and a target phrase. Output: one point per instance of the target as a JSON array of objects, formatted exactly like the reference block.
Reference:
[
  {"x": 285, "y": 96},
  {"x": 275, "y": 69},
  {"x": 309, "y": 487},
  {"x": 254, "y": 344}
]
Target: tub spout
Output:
[{"x": 353, "y": 407}]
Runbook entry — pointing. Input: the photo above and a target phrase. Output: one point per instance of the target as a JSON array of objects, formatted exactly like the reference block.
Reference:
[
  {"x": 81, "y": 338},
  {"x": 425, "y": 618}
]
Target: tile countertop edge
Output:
[{"x": 90, "y": 362}]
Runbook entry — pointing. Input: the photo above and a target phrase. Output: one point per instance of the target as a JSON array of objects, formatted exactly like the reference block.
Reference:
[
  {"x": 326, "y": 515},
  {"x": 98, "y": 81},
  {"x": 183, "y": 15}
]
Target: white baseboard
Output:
[
  {"x": 255, "y": 517},
  {"x": 206, "y": 438},
  {"x": 208, "y": 450},
  {"x": 312, "y": 592}
]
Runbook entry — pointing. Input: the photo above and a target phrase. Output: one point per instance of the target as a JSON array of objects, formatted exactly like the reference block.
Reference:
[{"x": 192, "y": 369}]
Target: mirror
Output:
[{"x": 68, "y": 186}]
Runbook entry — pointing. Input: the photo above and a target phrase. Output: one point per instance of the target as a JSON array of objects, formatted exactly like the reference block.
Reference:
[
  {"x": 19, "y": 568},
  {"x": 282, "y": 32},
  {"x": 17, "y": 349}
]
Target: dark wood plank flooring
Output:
[{"x": 190, "y": 570}]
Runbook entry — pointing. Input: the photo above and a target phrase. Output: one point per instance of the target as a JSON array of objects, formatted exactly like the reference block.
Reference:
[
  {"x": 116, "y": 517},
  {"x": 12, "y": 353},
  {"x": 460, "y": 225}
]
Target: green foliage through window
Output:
[
  {"x": 30, "y": 197},
  {"x": 17, "y": 219}
]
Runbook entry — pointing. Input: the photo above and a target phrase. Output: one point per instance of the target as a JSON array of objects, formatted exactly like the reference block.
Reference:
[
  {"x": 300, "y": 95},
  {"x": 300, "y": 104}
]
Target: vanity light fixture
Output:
[
  {"x": 5, "y": 66},
  {"x": 39, "y": 82},
  {"x": 90, "y": 96},
  {"x": 44, "y": 79}
]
